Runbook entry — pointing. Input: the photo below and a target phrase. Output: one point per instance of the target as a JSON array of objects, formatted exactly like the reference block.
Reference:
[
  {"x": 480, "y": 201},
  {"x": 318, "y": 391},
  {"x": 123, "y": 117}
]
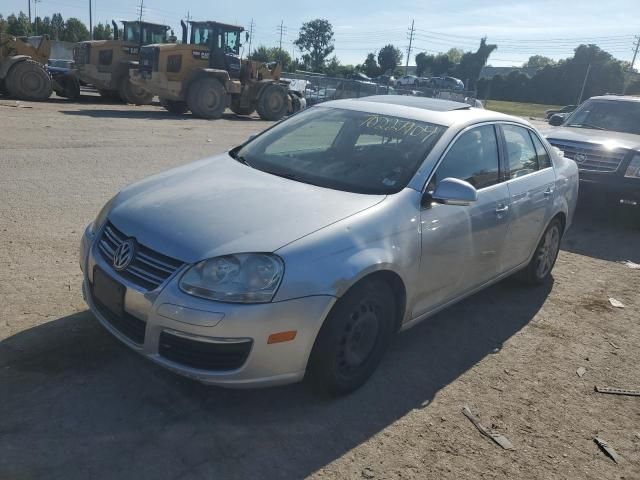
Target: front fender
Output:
[
  {"x": 385, "y": 237},
  {"x": 6, "y": 65}
]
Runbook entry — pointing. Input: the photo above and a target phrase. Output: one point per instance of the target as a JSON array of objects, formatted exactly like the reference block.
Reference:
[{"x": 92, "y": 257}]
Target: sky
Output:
[{"x": 520, "y": 28}]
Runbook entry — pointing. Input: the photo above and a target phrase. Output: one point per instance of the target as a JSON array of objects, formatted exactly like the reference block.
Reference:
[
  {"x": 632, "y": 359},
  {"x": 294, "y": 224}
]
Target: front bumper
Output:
[
  {"x": 167, "y": 309},
  {"x": 621, "y": 189}
]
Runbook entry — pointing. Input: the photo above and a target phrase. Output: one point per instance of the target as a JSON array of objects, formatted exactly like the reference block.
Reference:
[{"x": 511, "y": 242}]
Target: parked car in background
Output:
[
  {"x": 566, "y": 109},
  {"x": 303, "y": 250},
  {"x": 603, "y": 137},
  {"x": 446, "y": 83},
  {"x": 408, "y": 80},
  {"x": 385, "y": 80}
]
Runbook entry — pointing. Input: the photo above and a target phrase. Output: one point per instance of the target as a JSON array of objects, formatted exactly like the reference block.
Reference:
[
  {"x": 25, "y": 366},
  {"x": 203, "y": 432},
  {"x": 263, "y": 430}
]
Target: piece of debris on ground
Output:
[
  {"x": 618, "y": 391},
  {"x": 608, "y": 449},
  {"x": 496, "y": 437},
  {"x": 616, "y": 303},
  {"x": 581, "y": 371}
]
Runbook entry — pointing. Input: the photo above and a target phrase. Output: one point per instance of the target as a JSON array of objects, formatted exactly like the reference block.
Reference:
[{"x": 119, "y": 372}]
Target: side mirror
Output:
[
  {"x": 452, "y": 191},
  {"x": 556, "y": 120}
]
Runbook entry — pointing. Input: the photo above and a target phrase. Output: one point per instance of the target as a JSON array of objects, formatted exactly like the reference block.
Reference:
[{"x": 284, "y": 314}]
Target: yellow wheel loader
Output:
[
  {"x": 105, "y": 64},
  {"x": 205, "y": 74},
  {"x": 22, "y": 68}
]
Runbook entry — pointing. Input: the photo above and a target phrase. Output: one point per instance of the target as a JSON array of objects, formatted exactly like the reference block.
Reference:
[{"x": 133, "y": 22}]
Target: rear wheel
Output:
[
  {"x": 207, "y": 98},
  {"x": 273, "y": 102},
  {"x": 354, "y": 337},
  {"x": 68, "y": 87},
  {"x": 241, "y": 110},
  {"x": 174, "y": 106},
  {"x": 28, "y": 80},
  {"x": 544, "y": 258},
  {"x": 131, "y": 93},
  {"x": 110, "y": 94}
]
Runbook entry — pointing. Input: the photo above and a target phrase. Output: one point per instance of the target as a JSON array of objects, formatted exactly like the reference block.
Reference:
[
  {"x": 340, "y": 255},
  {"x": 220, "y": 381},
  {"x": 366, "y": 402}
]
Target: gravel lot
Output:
[{"x": 78, "y": 404}]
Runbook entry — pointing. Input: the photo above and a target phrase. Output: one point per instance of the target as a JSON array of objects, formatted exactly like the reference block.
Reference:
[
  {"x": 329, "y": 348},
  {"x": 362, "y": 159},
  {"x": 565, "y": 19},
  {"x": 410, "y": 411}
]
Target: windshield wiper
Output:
[
  {"x": 586, "y": 125},
  {"x": 290, "y": 176},
  {"x": 234, "y": 154}
]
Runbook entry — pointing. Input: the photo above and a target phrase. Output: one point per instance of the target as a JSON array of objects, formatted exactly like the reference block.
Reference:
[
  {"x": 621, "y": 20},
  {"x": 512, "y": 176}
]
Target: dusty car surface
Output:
[
  {"x": 305, "y": 249},
  {"x": 603, "y": 136}
]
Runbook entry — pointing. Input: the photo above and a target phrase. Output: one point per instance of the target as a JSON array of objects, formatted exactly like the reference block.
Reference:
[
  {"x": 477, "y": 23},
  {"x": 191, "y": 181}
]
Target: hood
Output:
[
  {"x": 589, "y": 135},
  {"x": 219, "y": 206}
]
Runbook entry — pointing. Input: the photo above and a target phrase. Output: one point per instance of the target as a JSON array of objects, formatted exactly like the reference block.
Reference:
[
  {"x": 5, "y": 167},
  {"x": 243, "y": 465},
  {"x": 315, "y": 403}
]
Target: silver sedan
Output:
[{"x": 301, "y": 252}]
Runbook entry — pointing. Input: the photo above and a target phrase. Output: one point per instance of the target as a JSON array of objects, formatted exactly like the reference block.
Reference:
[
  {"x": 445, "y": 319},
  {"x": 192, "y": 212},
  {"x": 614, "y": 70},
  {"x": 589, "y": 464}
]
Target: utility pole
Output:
[
  {"x": 633, "y": 61},
  {"x": 141, "y": 8},
  {"x": 29, "y": 12},
  {"x": 90, "y": 20},
  {"x": 281, "y": 29},
  {"x": 411, "y": 32},
  {"x": 635, "y": 52},
  {"x": 584, "y": 83},
  {"x": 250, "y": 37},
  {"x": 35, "y": 14}
]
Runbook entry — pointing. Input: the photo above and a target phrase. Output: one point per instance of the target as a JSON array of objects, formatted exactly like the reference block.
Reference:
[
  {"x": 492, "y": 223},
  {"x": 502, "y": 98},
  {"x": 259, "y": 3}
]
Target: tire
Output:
[
  {"x": 353, "y": 338},
  {"x": 273, "y": 102},
  {"x": 28, "y": 80},
  {"x": 69, "y": 87},
  {"x": 238, "y": 110},
  {"x": 207, "y": 98},
  {"x": 174, "y": 106},
  {"x": 539, "y": 269},
  {"x": 110, "y": 94},
  {"x": 130, "y": 93}
]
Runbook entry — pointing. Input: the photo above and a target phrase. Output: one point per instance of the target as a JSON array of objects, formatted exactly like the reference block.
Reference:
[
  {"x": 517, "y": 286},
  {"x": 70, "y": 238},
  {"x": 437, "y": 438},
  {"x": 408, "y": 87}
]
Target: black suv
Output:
[{"x": 603, "y": 137}]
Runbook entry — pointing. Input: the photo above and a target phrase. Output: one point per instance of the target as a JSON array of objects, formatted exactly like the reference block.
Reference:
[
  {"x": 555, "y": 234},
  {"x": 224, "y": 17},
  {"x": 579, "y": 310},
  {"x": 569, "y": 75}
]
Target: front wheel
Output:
[
  {"x": 273, "y": 102},
  {"x": 174, "y": 106},
  {"x": 544, "y": 258},
  {"x": 207, "y": 98},
  {"x": 130, "y": 93},
  {"x": 28, "y": 80},
  {"x": 354, "y": 337}
]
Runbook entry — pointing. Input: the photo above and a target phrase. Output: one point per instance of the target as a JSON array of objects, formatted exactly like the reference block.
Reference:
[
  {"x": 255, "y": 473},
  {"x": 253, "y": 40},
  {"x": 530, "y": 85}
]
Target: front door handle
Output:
[
  {"x": 501, "y": 210},
  {"x": 548, "y": 192}
]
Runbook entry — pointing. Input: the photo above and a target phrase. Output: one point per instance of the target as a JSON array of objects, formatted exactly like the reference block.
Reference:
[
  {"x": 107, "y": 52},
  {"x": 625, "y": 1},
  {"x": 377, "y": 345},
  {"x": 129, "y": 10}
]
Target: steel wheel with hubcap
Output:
[
  {"x": 544, "y": 258},
  {"x": 354, "y": 337}
]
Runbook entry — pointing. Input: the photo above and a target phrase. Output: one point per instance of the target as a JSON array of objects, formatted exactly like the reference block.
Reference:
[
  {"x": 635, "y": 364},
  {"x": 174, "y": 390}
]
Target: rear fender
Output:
[{"x": 10, "y": 62}]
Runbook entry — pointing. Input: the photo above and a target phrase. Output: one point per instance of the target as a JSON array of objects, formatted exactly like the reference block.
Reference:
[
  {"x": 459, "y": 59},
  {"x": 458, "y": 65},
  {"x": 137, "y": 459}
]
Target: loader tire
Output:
[
  {"x": 110, "y": 95},
  {"x": 241, "y": 110},
  {"x": 273, "y": 102},
  {"x": 69, "y": 87},
  {"x": 130, "y": 93},
  {"x": 174, "y": 106},
  {"x": 206, "y": 98},
  {"x": 28, "y": 80}
]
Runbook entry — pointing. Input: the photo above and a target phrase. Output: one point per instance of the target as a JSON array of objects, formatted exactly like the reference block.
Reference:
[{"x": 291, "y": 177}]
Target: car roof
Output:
[
  {"x": 625, "y": 98},
  {"x": 431, "y": 110}
]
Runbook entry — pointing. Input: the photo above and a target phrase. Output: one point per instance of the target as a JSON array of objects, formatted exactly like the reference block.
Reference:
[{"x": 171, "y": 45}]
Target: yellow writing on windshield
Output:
[{"x": 397, "y": 127}]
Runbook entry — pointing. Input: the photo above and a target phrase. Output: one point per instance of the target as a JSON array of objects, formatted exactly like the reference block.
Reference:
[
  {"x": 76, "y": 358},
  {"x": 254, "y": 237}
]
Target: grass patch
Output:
[{"x": 525, "y": 110}]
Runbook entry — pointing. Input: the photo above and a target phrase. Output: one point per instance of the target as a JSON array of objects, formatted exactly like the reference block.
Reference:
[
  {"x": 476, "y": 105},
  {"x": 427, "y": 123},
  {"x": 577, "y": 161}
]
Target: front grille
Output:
[
  {"x": 149, "y": 269},
  {"x": 204, "y": 355},
  {"x": 591, "y": 157},
  {"x": 130, "y": 326}
]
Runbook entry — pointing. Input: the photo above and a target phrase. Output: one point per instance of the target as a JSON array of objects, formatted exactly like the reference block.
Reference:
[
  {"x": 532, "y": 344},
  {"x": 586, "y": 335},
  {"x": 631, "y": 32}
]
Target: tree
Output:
[
  {"x": 424, "y": 64},
  {"x": 538, "y": 61},
  {"x": 260, "y": 54},
  {"x": 3, "y": 24},
  {"x": 74, "y": 31},
  {"x": 370, "y": 66},
  {"x": 455, "y": 54},
  {"x": 275, "y": 54},
  {"x": 316, "y": 39},
  {"x": 102, "y": 31},
  {"x": 389, "y": 57},
  {"x": 57, "y": 26},
  {"x": 18, "y": 26}
]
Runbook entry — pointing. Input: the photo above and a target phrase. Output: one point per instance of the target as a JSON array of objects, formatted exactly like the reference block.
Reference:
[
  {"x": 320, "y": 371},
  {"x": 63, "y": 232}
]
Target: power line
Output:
[{"x": 251, "y": 25}]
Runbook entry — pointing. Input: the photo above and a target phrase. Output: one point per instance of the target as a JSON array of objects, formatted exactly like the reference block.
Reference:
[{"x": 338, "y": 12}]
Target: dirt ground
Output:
[{"x": 76, "y": 404}]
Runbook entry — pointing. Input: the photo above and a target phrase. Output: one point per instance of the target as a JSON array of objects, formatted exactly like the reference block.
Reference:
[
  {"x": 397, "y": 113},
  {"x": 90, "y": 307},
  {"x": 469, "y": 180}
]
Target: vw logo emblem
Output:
[
  {"x": 124, "y": 254},
  {"x": 580, "y": 157}
]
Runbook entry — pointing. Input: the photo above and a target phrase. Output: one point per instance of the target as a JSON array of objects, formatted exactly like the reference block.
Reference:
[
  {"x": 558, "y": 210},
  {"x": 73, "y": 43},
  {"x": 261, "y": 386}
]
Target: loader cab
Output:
[
  {"x": 144, "y": 33},
  {"x": 223, "y": 41}
]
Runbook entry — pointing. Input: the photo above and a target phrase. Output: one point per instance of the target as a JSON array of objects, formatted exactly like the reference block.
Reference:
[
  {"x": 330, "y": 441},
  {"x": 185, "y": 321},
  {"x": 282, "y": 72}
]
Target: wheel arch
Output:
[{"x": 8, "y": 64}]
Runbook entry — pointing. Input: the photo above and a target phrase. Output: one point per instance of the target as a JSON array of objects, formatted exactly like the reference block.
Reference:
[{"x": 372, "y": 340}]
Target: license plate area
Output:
[{"x": 108, "y": 292}]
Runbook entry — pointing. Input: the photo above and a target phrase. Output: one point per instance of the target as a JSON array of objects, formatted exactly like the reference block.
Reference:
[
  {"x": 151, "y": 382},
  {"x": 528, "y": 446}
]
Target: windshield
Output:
[
  {"x": 615, "y": 115},
  {"x": 150, "y": 34},
  {"x": 344, "y": 149}
]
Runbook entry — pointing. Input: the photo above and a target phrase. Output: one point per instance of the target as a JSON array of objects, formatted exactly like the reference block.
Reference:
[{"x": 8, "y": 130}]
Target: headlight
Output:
[
  {"x": 102, "y": 217},
  {"x": 633, "y": 170},
  {"x": 241, "y": 278}
]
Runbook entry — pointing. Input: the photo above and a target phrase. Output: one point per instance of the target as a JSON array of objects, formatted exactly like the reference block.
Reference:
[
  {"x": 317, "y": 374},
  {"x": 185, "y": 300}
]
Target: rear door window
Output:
[
  {"x": 543, "y": 157},
  {"x": 522, "y": 157}
]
